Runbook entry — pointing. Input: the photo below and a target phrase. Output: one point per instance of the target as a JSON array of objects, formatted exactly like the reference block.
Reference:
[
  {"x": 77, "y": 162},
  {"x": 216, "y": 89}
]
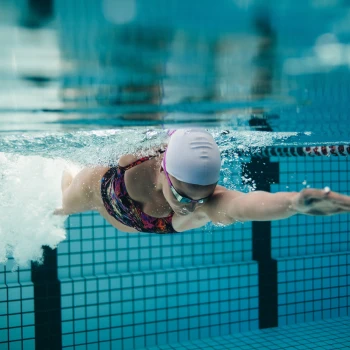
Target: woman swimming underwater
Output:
[{"x": 177, "y": 190}]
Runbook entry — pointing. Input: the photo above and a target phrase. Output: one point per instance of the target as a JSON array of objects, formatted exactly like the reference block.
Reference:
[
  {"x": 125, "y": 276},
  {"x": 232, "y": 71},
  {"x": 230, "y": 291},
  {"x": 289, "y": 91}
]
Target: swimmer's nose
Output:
[{"x": 191, "y": 207}]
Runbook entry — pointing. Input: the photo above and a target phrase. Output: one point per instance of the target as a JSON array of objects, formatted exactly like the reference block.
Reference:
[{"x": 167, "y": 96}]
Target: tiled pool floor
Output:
[{"x": 323, "y": 335}]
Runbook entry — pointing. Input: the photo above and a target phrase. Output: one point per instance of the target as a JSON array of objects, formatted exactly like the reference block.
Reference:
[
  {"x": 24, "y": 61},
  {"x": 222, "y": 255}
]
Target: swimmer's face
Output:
[{"x": 199, "y": 195}]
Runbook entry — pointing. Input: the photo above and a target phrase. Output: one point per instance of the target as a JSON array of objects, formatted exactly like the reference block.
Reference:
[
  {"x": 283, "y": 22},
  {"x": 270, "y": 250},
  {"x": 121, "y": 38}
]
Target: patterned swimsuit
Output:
[{"x": 120, "y": 206}]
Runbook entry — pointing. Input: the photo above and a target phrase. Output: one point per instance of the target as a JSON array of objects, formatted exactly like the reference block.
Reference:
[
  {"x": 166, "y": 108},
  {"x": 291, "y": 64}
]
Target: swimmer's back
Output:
[{"x": 97, "y": 174}]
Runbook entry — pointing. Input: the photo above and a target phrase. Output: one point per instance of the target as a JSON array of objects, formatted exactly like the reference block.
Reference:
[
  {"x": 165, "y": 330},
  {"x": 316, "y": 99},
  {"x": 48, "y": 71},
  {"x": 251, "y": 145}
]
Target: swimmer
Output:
[{"x": 177, "y": 190}]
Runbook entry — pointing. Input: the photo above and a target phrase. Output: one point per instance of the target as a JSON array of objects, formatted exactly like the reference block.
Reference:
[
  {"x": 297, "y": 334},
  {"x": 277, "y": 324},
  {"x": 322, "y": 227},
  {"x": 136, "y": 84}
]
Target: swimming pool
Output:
[{"x": 84, "y": 83}]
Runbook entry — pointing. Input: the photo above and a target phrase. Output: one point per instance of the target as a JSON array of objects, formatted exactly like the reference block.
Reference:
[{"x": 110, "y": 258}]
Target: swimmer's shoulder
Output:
[
  {"x": 220, "y": 197},
  {"x": 127, "y": 159},
  {"x": 219, "y": 191}
]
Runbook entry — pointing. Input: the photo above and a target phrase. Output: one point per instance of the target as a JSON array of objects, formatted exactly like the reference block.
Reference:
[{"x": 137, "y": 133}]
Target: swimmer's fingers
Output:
[
  {"x": 339, "y": 201},
  {"x": 343, "y": 201},
  {"x": 322, "y": 202}
]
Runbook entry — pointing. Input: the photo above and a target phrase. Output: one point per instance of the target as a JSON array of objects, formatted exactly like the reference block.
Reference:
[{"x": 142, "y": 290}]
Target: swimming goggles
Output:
[{"x": 177, "y": 195}]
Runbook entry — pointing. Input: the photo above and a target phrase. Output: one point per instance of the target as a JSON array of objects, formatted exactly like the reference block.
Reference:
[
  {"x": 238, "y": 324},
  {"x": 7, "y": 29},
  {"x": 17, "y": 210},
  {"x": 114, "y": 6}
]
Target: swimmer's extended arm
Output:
[{"x": 231, "y": 206}]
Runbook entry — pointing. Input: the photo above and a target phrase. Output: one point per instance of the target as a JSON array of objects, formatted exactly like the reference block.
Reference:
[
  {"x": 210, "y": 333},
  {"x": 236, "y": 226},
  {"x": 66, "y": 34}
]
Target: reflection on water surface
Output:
[{"x": 233, "y": 64}]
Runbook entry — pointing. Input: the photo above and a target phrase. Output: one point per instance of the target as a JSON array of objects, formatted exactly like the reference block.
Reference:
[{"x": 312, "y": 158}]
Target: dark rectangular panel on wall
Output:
[
  {"x": 47, "y": 302},
  {"x": 263, "y": 172}
]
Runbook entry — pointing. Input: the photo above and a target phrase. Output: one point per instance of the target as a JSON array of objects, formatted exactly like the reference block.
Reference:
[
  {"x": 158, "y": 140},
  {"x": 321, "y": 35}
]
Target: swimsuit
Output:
[{"x": 124, "y": 209}]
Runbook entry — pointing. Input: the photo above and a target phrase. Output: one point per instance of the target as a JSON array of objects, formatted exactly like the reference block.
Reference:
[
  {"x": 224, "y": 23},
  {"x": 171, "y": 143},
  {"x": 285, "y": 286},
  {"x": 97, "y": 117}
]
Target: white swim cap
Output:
[{"x": 193, "y": 156}]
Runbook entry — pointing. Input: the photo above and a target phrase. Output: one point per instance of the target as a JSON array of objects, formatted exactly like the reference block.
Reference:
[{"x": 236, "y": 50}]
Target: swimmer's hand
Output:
[{"x": 321, "y": 202}]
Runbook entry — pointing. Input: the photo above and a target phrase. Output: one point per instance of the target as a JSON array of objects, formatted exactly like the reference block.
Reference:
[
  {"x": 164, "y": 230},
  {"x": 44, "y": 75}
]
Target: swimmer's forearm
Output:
[{"x": 263, "y": 206}]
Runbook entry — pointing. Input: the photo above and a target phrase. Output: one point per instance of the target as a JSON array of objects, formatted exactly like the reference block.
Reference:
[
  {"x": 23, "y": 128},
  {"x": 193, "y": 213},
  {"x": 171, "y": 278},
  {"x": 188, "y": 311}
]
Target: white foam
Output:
[{"x": 30, "y": 190}]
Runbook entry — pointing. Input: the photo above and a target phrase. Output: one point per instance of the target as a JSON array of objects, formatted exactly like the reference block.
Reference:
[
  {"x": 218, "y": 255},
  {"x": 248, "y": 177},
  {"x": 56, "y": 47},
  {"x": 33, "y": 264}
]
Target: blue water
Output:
[
  {"x": 74, "y": 75},
  {"x": 84, "y": 82},
  {"x": 101, "y": 64}
]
